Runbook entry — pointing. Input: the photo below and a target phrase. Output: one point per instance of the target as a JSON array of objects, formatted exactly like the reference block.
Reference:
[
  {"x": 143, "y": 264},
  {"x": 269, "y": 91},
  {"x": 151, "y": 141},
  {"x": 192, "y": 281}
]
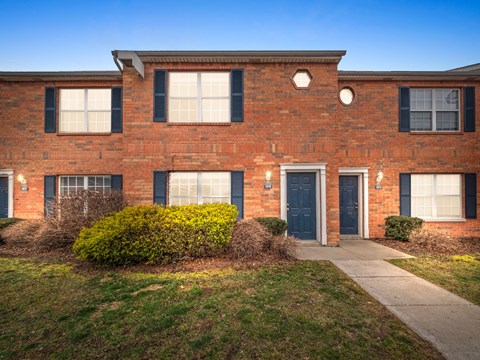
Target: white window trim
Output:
[
  {"x": 434, "y": 110},
  {"x": 85, "y": 180},
  {"x": 199, "y": 195},
  {"x": 434, "y": 217},
  {"x": 321, "y": 194},
  {"x": 9, "y": 173},
  {"x": 200, "y": 97},
  {"x": 85, "y": 110}
]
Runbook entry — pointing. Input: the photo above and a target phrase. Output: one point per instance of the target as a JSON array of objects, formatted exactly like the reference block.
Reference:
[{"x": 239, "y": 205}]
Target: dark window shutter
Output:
[
  {"x": 404, "y": 109},
  {"x": 237, "y": 191},
  {"x": 160, "y": 96},
  {"x": 405, "y": 194},
  {"x": 471, "y": 196},
  {"x": 117, "y": 110},
  {"x": 237, "y": 95},
  {"x": 117, "y": 182},
  {"x": 50, "y": 110},
  {"x": 160, "y": 187},
  {"x": 49, "y": 192},
  {"x": 469, "y": 109}
]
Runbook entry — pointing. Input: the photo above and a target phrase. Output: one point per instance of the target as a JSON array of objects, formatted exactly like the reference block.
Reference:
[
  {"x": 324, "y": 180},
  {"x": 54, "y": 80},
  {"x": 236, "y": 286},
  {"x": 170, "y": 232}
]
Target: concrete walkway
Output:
[{"x": 449, "y": 322}]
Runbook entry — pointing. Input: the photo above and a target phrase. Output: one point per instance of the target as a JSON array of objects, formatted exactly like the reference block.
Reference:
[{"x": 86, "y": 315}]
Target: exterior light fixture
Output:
[
  {"x": 379, "y": 180},
  {"x": 268, "y": 184},
  {"x": 23, "y": 182}
]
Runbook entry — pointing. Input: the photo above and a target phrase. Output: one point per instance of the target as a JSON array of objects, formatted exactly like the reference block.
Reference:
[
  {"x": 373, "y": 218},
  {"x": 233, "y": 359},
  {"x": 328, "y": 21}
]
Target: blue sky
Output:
[{"x": 378, "y": 35}]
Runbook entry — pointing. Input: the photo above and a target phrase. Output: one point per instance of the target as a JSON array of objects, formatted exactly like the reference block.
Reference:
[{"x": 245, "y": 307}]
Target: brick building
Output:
[{"x": 277, "y": 133}]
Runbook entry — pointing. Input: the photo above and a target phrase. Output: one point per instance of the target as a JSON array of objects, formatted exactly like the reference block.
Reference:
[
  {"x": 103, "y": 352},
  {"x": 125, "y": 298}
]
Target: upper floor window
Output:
[
  {"x": 199, "y": 97},
  {"x": 434, "y": 110},
  {"x": 85, "y": 110}
]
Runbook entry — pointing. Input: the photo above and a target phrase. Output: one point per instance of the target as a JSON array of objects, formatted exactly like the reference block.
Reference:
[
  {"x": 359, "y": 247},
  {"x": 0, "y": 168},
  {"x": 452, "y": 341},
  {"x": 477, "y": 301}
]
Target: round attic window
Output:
[{"x": 347, "y": 96}]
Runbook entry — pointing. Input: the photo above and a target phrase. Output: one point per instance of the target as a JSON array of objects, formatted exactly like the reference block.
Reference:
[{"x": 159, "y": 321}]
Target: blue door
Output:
[
  {"x": 3, "y": 197},
  {"x": 301, "y": 205},
  {"x": 349, "y": 205}
]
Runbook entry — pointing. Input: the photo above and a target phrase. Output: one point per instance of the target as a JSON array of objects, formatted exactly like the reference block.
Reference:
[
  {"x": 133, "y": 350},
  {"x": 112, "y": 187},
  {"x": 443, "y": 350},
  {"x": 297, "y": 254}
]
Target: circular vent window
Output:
[{"x": 347, "y": 96}]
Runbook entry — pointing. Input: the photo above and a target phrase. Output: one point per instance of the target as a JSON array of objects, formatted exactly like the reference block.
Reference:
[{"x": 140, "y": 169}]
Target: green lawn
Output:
[
  {"x": 458, "y": 274},
  {"x": 307, "y": 310}
]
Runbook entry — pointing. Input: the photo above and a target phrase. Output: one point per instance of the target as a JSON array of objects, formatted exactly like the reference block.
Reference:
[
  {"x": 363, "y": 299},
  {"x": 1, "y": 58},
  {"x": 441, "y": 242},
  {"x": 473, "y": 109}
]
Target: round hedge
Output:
[{"x": 157, "y": 234}]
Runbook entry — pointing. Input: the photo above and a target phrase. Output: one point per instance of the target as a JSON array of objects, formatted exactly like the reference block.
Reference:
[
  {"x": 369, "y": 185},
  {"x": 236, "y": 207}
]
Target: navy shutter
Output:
[
  {"x": 237, "y": 191},
  {"x": 160, "y": 187},
  {"x": 50, "y": 110},
  {"x": 236, "y": 88},
  {"x": 404, "y": 109},
  {"x": 117, "y": 182},
  {"x": 471, "y": 196},
  {"x": 117, "y": 110},
  {"x": 405, "y": 194},
  {"x": 49, "y": 192},
  {"x": 160, "y": 96},
  {"x": 469, "y": 109}
]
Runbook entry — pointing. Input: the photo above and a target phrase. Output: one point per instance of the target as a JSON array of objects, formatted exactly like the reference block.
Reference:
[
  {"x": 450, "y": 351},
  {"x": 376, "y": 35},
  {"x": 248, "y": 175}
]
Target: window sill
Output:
[
  {"x": 198, "y": 124},
  {"x": 84, "y": 134},
  {"x": 436, "y": 132},
  {"x": 445, "y": 220}
]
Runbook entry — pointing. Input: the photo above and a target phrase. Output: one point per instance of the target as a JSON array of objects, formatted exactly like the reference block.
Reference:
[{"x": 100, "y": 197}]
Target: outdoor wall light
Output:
[
  {"x": 23, "y": 182},
  {"x": 268, "y": 184},
  {"x": 379, "y": 180}
]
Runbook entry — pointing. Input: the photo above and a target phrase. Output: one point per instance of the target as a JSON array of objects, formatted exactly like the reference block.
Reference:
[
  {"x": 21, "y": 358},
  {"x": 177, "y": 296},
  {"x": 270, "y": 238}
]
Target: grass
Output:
[
  {"x": 459, "y": 274},
  {"x": 307, "y": 310}
]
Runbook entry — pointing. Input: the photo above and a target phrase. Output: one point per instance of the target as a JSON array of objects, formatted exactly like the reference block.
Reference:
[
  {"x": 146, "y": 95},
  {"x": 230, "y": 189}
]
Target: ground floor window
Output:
[
  {"x": 436, "y": 196},
  {"x": 186, "y": 188},
  {"x": 72, "y": 184}
]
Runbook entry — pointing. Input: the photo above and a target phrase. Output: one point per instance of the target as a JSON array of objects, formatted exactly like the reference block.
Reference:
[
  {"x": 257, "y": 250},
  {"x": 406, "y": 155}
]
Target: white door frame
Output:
[
  {"x": 9, "y": 174},
  {"x": 321, "y": 194},
  {"x": 362, "y": 174}
]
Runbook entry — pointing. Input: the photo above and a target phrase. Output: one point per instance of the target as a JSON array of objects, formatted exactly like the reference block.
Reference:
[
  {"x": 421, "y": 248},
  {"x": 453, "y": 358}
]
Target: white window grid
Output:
[
  {"x": 431, "y": 200},
  {"x": 85, "y": 111},
  {"x": 69, "y": 184},
  {"x": 200, "y": 97},
  {"x": 434, "y": 109},
  {"x": 199, "y": 179}
]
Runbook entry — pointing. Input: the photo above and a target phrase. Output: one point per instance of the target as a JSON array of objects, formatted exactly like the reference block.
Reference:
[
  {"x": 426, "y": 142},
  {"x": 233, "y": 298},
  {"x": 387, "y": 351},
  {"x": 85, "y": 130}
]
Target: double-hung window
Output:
[
  {"x": 199, "y": 97},
  {"x": 436, "y": 196},
  {"x": 187, "y": 188},
  {"x": 434, "y": 110},
  {"x": 85, "y": 110},
  {"x": 72, "y": 184}
]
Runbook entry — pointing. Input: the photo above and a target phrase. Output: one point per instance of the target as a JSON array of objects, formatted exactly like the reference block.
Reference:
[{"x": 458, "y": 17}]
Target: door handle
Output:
[
  {"x": 355, "y": 205},
  {"x": 288, "y": 208}
]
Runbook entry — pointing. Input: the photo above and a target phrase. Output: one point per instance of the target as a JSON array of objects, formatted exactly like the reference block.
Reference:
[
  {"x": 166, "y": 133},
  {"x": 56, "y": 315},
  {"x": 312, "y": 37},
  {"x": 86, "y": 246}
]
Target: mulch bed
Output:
[{"x": 440, "y": 247}]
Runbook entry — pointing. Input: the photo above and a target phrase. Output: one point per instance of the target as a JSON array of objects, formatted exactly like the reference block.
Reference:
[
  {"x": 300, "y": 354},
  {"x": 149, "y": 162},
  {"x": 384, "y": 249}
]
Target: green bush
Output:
[
  {"x": 400, "y": 227},
  {"x": 274, "y": 225},
  {"x": 5, "y": 223},
  {"x": 157, "y": 234}
]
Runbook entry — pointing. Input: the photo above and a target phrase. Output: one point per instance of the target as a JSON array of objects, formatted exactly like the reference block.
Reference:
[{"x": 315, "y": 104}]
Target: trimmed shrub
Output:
[
  {"x": 157, "y": 234},
  {"x": 275, "y": 226},
  {"x": 4, "y": 223},
  {"x": 250, "y": 240},
  {"x": 400, "y": 227}
]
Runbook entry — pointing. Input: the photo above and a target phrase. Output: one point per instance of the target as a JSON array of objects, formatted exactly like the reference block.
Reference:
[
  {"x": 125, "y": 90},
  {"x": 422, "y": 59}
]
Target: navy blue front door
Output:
[
  {"x": 3, "y": 197},
  {"x": 349, "y": 205},
  {"x": 301, "y": 205}
]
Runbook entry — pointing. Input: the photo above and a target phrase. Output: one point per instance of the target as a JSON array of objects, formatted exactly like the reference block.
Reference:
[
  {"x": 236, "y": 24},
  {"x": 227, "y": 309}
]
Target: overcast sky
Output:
[{"x": 378, "y": 35}]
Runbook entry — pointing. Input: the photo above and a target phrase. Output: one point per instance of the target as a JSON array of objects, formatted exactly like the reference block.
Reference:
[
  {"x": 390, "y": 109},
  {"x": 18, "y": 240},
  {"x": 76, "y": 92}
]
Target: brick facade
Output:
[{"x": 282, "y": 125}]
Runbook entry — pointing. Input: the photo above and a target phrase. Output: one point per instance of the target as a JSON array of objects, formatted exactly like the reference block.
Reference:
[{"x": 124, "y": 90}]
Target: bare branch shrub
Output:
[{"x": 284, "y": 246}]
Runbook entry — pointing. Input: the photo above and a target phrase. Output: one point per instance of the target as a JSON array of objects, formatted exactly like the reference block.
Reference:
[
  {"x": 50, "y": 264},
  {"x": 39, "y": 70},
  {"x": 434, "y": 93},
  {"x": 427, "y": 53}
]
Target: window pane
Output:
[
  {"x": 215, "y": 84},
  {"x": 183, "y": 110},
  {"x": 420, "y": 120},
  {"x": 72, "y": 122},
  {"x": 216, "y": 200},
  {"x": 216, "y": 110},
  {"x": 448, "y": 184},
  {"x": 99, "y": 182},
  {"x": 446, "y": 99},
  {"x": 99, "y": 99},
  {"x": 183, "y": 184},
  {"x": 99, "y": 121},
  {"x": 215, "y": 184},
  {"x": 422, "y": 185},
  {"x": 183, "y": 84},
  {"x": 448, "y": 206},
  {"x": 420, "y": 99},
  {"x": 447, "y": 120},
  {"x": 422, "y": 206},
  {"x": 72, "y": 99}
]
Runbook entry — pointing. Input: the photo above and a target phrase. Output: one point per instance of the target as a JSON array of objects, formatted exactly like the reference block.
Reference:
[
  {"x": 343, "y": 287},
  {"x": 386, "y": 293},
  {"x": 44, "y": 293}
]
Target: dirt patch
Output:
[
  {"x": 440, "y": 246},
  {"x": 152, "y": 287}
]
